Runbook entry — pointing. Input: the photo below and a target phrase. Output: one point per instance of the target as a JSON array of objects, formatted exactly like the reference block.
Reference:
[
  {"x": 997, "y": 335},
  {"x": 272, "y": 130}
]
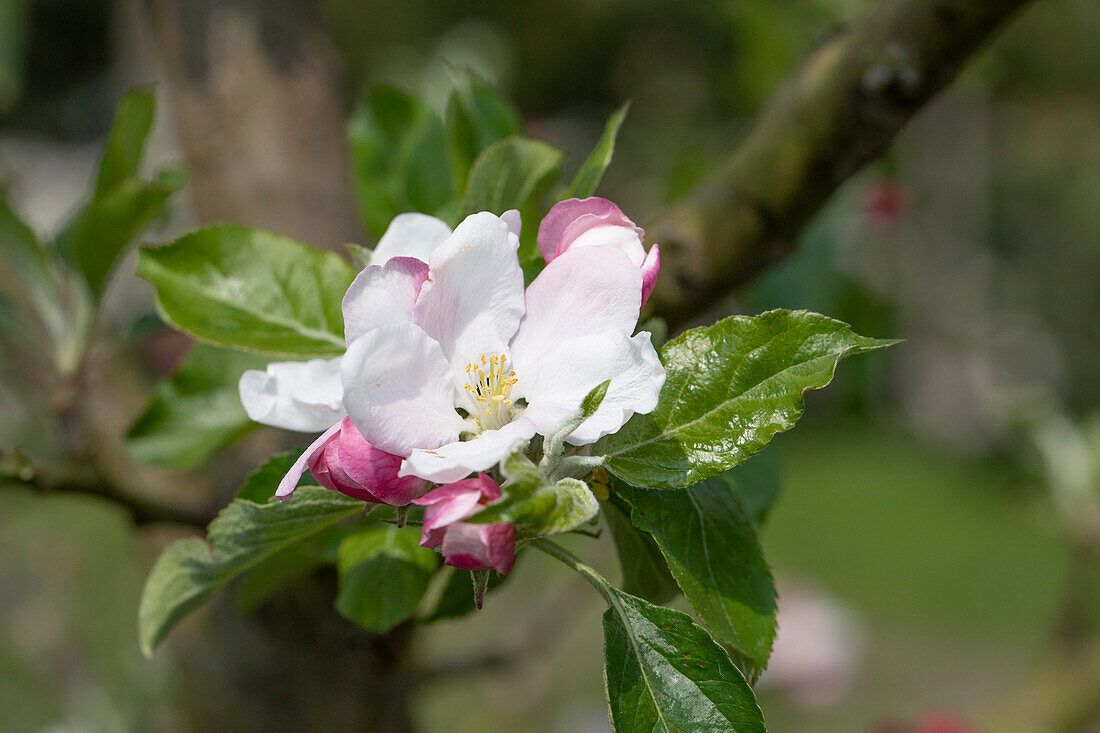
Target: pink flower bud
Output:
[
  {"x": 342, "y": 460},
  {"x": 596, "y": 221},
  {"x": 464, "y": 545}
]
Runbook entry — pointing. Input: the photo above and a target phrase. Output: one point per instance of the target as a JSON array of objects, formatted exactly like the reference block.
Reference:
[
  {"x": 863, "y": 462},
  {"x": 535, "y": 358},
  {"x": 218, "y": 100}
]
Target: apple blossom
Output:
[
  {"x": 464, "y": 545},
  {"x": 308, "y": 396},
  {"x": 595, "y": 221},
  {"x": 462, "y": 366}
]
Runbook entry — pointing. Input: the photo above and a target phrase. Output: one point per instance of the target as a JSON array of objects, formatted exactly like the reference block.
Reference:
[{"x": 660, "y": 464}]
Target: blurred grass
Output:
[{"x": 913, "y": 537}]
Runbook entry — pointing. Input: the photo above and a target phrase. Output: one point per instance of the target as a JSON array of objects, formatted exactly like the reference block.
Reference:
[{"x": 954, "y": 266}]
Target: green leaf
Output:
[
  {"x": 268, "y": 577},
  {"x": 711, "y": 549},
  {"x": 591, "y": 173},
  {"x": 191, "y": 571},
  {"x": 196, "y": 412},
  {"x": 30, "y": 266},
  {"x": 645, "y": 572},
  {"x": 530, "y": 500},
  {"x": 399, "y": 158},
  {"x": 477, "y": 116},
  {"x": 126, "y": 141},
  {"x": 509, "y": 172},
  {"x": 730, "y": 388},
  {"x": 250, "y": 289},
  {"x": 383, "y": 575},
  {"x": 122, "y": 203},
  {"x": 99, "y": 233},
  {"x": 663, "y": 672},
  {"x": 755, "y": 483},
  {"x": 260, "y": 485}
]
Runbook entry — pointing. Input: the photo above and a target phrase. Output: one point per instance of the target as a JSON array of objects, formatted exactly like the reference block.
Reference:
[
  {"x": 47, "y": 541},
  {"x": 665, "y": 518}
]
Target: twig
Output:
[
  {"x": 143, "y": 509},
  {"x": 841, "y": 110}
]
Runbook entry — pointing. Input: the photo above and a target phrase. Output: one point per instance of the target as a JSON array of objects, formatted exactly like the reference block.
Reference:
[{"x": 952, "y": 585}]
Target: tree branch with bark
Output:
[{"x": 842, "y": 109}]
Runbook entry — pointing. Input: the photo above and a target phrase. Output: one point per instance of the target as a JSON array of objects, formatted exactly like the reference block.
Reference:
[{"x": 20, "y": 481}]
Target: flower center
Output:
[{"x": 488, "y": 385}]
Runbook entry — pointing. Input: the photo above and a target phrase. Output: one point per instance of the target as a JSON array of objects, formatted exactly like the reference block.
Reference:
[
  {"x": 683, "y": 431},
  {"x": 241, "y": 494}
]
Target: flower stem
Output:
[{"x": 568, "y": 558}]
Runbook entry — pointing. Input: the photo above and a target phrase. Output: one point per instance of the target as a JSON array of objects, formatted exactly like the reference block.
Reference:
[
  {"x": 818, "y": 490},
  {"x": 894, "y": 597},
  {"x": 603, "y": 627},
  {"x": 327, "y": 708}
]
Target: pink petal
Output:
[
  {"x": 290, "y": 480},
  {"x": 571, "y": 218},
  {"x": 651, "y": 268},
  {"x": 480, "y": 546},
  {"x": 373, "y": 468},
  {"x": 454, "y": 502}
]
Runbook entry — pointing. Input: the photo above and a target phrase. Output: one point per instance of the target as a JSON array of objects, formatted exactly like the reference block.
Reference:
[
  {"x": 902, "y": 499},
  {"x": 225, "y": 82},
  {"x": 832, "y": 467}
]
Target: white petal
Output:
[
  {"x": 455, "y": 461},
  {"x": 381, "y": 295},
  {"x": 613, "y": 235},
  {"x": 399, "y": 390},
  {"x": 556, "y": 387},
  {"x": 295, "y": 395},
  {"x": 514, "y": 221},
  {"x": 410, "y": 235},
  {"x": 473, "y": 300},
  {"x": 589, "y": 292},
  {"x": 636, "y": 381}
]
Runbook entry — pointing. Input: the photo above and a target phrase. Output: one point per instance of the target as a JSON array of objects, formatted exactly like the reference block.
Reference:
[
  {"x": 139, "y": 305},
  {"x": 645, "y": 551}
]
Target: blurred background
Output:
[{"x": 935, "y": 537}]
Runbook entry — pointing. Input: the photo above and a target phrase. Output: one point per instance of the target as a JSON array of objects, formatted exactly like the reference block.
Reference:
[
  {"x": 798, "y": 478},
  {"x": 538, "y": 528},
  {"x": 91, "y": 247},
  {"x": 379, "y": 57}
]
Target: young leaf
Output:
[
  {"x": 196, "y": 412},
  {"x": 730, "y": 388},
  {"x": 191, "y": 571},
  {"x": 383, "y": 575},
  {"x": 250, "y": 289},
  {"x": 508, "y": 172},
  {"x": 645, "y": 572},
  {"x": 122, "y": 203},
  {"x": 399, "y": 158},
  {"x": 712, "y": 551},
  {"x": 96, "y": 237},
  {"x": 591, "y": 173},
  {"x": 30, "y": 266},
  {"x": 663, "y": 672},
  {"x": 126, "y": 141},
  {"x": 530, "y": 500},
  {"x": 477, "y": 116}
]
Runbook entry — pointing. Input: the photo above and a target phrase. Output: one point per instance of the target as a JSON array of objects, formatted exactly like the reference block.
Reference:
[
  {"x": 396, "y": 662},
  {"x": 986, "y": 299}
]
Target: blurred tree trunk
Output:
[{"x": 260, "y": 116}]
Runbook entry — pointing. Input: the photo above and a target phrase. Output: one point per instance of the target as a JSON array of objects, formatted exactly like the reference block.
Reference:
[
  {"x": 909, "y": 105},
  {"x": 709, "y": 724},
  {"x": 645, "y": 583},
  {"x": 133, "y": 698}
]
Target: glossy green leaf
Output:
[
  {"x": 530, "y": 500},
  {"x": 663, "y": 672},
  {"x": 383, "y": 575},
  {"x": 730, "y": 388},
  {"x": 399, "y": 158},
  {"x": 645, "y": 572},
  {"x": 712, "y": 551},
  {"x": 591, "y": 173},
  {"x": 191, "y": 571},
  {"x": 250, "y": 289},
  {"x": 509, "y": 172},
  {"x": 477, "y": 116},
  {"x": 126, "y": 140},
  {"x": 196, "y": 412}
]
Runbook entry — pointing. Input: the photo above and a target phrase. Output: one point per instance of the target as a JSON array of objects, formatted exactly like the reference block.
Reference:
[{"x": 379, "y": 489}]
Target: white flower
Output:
[{"x": 452, "y": 365}]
